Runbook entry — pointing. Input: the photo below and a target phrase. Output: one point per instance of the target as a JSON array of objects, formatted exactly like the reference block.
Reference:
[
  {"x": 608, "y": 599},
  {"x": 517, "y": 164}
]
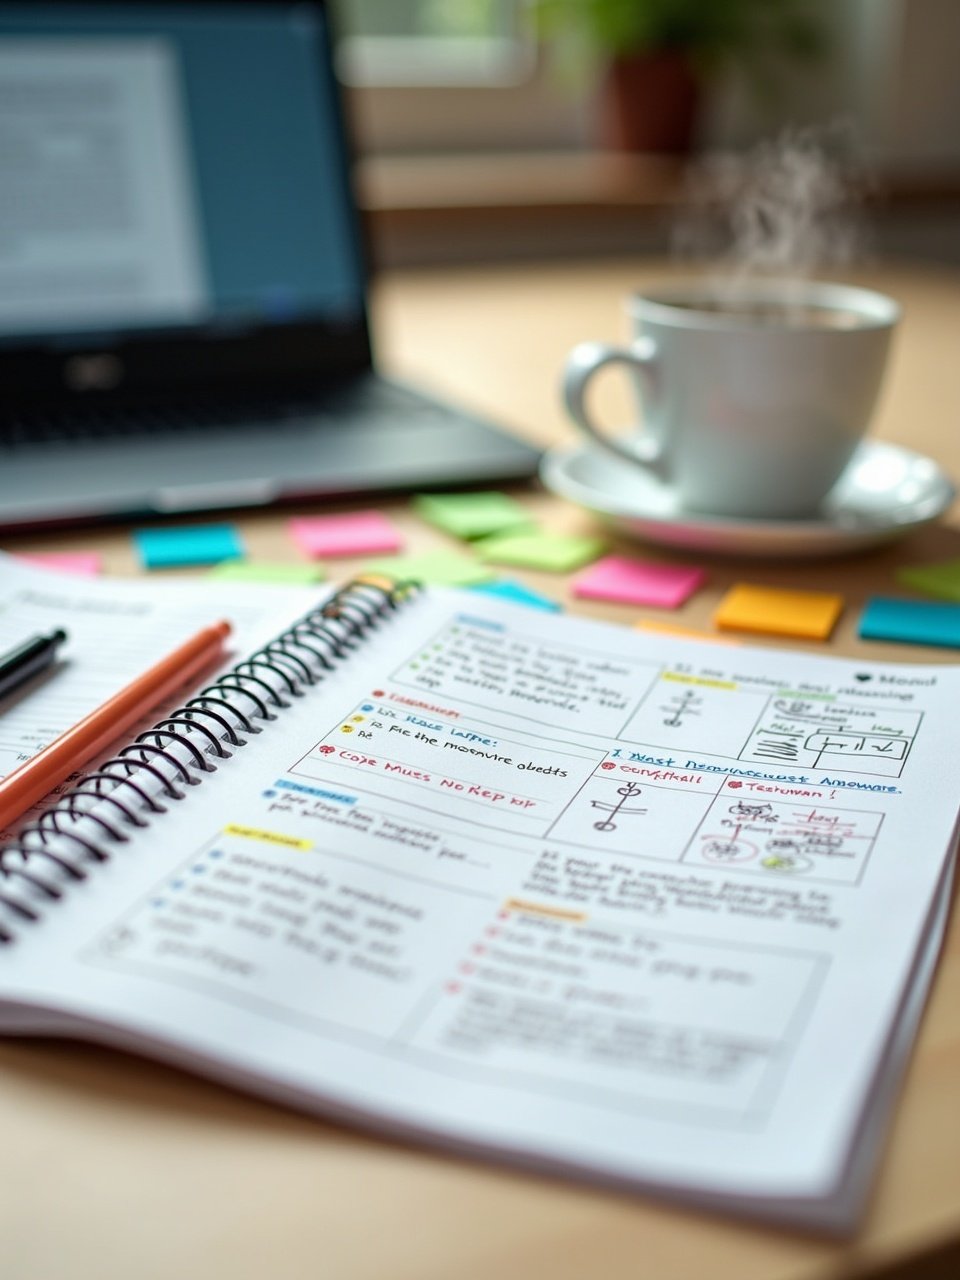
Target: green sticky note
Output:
[
  {"x": 286, "y": 574},
  {"x": 440, "y": 568},
  {"x": 555, "y": 552},
  {"x": 472, "y": 515},
  {"x": 942, "y": 580}
]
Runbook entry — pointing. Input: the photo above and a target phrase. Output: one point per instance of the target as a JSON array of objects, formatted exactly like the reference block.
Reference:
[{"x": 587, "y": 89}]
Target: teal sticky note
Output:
[
  {"x": 439, "y": 568},
  {"x": 554, "y": 552},
  {"x": 175, "y": 547},
  {"x": 472, "y": 515},
  {"x": 911, "y": 622},
  {"x": 941, "y": 579},
  {"x": 517, "y": 593}
]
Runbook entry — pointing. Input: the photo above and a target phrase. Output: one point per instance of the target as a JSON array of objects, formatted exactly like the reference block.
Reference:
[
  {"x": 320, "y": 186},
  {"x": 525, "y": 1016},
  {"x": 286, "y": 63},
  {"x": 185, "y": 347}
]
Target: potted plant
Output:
[{"x": 654, "y": 56}]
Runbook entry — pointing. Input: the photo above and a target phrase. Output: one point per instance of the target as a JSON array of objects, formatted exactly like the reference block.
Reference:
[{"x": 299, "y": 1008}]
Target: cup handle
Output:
[{"x": 587, "y": 359}]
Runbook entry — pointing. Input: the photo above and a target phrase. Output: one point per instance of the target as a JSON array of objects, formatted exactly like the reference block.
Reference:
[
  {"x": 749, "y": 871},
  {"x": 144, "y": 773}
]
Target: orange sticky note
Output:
[{"x": 808, "y": 614}]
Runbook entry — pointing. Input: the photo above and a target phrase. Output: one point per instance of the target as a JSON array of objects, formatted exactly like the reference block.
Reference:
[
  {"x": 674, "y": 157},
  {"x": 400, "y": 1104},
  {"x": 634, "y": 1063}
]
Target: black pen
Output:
[{"x": 28, "y": 659}]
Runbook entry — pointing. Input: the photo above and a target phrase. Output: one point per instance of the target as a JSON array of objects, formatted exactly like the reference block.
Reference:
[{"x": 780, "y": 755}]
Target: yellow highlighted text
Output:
[
  {"x": 268, "y": 837},
  {"x": 712, "y": 684}
]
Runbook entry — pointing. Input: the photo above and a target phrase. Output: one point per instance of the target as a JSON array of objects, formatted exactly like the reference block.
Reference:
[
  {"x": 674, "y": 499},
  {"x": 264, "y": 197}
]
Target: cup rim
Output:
[{"x": 663, "y": 304}]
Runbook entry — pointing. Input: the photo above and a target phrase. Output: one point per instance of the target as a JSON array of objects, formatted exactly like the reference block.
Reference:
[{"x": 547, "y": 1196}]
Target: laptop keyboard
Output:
[
  {"x": 82, "y": 426},
  {"x": 66, "y": 427}
]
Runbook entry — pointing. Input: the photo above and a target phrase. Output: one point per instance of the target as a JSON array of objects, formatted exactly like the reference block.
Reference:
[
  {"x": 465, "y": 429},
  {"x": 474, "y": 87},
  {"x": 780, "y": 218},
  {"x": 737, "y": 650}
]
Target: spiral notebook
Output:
[{"x": 622, "y": 906}]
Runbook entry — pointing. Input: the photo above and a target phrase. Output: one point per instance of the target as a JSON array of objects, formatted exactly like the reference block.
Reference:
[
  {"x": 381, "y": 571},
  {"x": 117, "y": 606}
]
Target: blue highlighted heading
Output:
[{"x": 316, "y": 791}]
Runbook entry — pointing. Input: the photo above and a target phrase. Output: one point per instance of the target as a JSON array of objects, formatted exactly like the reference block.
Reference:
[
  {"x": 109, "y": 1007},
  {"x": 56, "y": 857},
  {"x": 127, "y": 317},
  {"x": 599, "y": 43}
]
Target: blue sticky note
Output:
[
  {"x": 169, "y": 548},
  {"x": 507, "y": 589},
  {"x": 911, "y": 621}
]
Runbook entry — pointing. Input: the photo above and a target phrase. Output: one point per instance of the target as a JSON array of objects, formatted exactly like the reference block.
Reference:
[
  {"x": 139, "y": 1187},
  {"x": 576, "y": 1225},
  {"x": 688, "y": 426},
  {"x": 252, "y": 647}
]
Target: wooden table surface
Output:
[{"x": 116, "y": 1167}]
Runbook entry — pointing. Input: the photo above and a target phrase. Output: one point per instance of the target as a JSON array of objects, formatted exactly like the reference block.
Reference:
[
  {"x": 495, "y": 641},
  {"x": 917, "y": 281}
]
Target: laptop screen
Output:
[{"x": 171, "y": 169}]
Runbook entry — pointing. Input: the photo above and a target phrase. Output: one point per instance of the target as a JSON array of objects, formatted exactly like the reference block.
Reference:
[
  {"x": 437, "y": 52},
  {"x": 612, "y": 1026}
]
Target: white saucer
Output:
[{"x": 884, "y": 493}]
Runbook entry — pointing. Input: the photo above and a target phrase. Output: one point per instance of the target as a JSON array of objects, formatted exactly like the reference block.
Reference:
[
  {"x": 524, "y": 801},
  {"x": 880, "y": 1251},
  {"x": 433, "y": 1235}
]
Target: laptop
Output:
[{"x": 183, "y": 290}]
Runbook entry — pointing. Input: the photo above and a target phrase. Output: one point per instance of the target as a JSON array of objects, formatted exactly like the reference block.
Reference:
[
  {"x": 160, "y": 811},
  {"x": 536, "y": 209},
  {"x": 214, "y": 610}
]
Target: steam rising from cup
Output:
[{"x": 786, "y": 208}]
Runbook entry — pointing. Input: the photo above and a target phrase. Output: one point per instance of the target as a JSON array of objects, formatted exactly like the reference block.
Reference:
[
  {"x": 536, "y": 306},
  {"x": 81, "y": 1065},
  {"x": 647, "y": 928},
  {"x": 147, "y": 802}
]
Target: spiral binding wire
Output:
[{"x": 148, "y": 773}]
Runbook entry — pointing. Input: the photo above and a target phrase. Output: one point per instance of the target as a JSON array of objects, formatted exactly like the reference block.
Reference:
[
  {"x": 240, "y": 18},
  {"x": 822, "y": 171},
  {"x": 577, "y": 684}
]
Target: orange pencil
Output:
[{"x": 40, "y": 774}]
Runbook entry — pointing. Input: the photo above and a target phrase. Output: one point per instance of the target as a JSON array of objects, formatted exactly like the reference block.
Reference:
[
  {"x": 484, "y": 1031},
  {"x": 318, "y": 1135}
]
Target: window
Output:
[
  {"x": 458, "y": 75},
  {"x": 433, "y": 42}
]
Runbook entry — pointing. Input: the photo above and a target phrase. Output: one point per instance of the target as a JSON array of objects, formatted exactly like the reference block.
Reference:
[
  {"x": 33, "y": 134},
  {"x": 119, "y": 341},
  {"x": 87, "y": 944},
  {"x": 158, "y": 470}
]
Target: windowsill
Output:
[
  {"x": 512, "y": 204},
  {"x": 424, "y": 209},
  {"x": 518, "y": 180}
]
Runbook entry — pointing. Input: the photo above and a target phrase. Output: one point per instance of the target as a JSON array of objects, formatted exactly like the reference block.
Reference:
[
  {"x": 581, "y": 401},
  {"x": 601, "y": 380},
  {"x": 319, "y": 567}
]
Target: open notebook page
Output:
[{"x": 656, "y": 912}]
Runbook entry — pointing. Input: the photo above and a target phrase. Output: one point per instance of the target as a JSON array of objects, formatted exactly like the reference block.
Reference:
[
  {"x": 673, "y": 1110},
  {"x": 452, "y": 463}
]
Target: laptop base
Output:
[{"x": 400, "y": 441}]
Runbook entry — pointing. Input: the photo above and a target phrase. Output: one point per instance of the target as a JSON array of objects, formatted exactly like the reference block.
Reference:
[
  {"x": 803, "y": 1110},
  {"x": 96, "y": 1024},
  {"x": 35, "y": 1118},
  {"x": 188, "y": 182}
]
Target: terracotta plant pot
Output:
[{"x": 649, "y": 103}]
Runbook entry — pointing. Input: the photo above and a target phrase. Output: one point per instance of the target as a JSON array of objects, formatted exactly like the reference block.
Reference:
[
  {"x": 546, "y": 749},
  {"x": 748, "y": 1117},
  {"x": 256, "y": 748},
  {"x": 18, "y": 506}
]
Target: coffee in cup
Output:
[{"x": 751, "y": 404}]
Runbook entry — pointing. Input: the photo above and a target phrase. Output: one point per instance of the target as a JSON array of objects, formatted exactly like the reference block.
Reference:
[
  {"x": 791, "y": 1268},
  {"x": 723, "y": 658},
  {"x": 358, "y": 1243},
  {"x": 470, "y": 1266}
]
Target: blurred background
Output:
[{"x": 509, "y": 129}]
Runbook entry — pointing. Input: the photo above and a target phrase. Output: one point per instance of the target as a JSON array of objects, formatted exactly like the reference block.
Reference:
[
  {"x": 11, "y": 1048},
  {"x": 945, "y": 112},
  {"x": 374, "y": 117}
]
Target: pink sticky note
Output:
[
  {"x": 637, "y": 582},
  {"x": 86, "y": 563},
  {"x": 355, "y": 534}
]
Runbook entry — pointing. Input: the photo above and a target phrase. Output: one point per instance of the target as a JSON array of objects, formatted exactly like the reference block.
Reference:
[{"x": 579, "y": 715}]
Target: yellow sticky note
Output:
[{"x": 808, "y": 614}]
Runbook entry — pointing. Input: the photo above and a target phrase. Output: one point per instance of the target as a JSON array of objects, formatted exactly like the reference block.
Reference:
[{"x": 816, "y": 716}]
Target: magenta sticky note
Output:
[
  {"x": 86, "y": 563},
  {"x": 355, "y": 533},
  {"x": 626, "y": 581}
]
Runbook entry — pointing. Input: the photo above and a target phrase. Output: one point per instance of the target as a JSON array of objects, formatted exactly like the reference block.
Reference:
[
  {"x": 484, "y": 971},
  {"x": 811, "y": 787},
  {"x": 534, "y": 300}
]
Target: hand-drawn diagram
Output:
[
  {"x": 714, "y": 716},
  {"x": 793, "y": 838},
  {"x": 605, "y": 814},
  {"x": 680, "y": 706},
  {"x": 732, "y": 850},
  {"x": 827, "y": 735},
  {"x": 785, "y": 731},
  {"x": 760, "y": 811},
  {"x": 626, "y": 792}
]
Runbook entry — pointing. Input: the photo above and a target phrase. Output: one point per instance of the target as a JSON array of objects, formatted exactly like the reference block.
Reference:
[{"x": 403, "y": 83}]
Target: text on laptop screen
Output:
[{"x": 166, "y": 167}]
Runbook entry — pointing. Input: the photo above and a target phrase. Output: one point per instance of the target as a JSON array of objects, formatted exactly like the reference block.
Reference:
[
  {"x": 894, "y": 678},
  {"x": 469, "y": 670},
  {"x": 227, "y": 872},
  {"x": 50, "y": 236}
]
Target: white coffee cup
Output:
[{"x": 752, "y": 402}]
